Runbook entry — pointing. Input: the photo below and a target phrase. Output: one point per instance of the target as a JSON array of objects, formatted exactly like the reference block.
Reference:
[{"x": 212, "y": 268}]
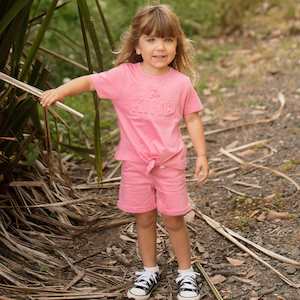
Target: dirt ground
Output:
[
  {"x": 252, "y": 189},
  {"x": 244, "y": 76}
]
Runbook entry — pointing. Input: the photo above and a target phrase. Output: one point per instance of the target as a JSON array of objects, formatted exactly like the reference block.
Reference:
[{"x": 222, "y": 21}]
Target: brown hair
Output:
[{"x": 161, "y": 21}]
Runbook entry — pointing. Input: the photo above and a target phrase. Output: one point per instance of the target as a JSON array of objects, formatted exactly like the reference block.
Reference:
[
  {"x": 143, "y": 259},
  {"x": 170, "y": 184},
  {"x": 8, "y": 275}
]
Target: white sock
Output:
[
  {"x": 185, "y": 270},
  {"x": 152, "y": 269}
]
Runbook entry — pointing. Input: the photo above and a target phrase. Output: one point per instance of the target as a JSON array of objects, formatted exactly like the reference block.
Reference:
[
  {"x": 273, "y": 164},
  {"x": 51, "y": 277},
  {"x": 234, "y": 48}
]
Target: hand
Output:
[
  {"x": 201, "y": 168},
  {"x": 51, "y": 96}
]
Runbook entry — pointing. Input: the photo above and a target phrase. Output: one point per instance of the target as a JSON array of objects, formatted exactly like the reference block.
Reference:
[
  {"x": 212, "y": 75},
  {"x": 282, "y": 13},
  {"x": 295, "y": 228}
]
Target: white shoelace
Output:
[
  {"x": 143, "y": 278},
  {"x": 188, "y": 280}
]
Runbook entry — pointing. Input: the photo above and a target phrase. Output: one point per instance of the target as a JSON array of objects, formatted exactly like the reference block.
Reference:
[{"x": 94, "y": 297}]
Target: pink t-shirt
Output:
[{"x": 149, "y": 109}]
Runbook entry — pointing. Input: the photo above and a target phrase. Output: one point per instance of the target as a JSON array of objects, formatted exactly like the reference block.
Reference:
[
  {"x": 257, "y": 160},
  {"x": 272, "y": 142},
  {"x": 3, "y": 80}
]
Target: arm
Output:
[
  {"x": 196, "y": 132},
  {"x": 71, "y": 88}
]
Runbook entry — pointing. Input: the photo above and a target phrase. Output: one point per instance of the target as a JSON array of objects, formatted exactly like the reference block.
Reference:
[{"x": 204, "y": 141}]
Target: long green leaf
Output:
[
  {"x": 38, "y": 40},
  {"x": 19, "y": 39},
  {"x": 105, "y": 25},
  {"x": 92, "y": 32},
  {"x": 86, "y": 22},
  {"x": 12, "y": 13},
  {"x": 64, "y": 58}
]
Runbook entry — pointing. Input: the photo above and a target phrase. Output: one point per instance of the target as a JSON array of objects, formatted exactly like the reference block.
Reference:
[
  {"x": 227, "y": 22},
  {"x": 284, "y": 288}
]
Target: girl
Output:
[{"x": 151, "y": 94}]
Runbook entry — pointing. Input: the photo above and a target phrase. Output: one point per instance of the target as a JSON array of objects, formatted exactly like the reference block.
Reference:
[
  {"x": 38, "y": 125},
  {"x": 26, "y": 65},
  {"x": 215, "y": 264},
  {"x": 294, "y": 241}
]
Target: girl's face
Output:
[{"x": 157, "y": 53}]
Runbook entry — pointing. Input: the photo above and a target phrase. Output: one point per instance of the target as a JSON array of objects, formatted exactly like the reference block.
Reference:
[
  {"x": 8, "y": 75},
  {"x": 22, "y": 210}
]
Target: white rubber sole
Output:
[
  {"x": 188, "y": 298},
  {"x": 137, "y": 297}
]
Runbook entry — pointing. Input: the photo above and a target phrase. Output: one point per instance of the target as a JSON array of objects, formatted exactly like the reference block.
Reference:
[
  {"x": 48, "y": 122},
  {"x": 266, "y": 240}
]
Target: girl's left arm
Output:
[{"x": 196, "y": 132}]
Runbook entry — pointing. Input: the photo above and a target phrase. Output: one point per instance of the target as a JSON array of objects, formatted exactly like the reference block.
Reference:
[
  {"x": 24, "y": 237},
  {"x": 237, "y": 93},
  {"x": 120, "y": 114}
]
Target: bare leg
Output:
[
  {"x": 146, "y": 231},
  {"x": 179, "y": 239}
]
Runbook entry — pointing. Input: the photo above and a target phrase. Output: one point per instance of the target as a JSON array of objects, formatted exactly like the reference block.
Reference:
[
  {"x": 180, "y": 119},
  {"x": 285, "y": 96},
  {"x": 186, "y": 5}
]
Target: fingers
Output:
[
  {"x": 201, "y": 174},
  {"x": 48, "y": 98}
]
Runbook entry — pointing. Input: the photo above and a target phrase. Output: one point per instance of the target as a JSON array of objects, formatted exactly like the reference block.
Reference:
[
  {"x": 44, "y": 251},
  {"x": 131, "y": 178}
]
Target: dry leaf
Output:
[
  {"x": 218, "y": 279},
  {"x": 254, "y": 213},
  {"x": 206, "y": 92},
  {"x": 231, "y": 117},
  {"x": 189, "y": 217},
  {"x": 199, "y": 247},
  {"x": 236, "y": 72},
  {"x": 251, "y": 274},
  {"x": 261, "y": 217},
  {"x": 126, "y": 238},
  {"x": 272, "y": 214},
  {"x": 235, "y": 262},
  {"x": 246, "y": 153},
  {"x": 232, "y": 145},
  {"x": 256, "y": 57}
]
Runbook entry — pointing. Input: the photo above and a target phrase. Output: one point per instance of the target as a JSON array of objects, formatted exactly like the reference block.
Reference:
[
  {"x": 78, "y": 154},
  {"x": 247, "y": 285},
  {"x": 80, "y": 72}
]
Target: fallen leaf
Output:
[
  {"x": 200, "y": 248},
  {"x": 272, "y": 214},
  {"x": 231, "y": 117},
  {"x": 232, "y": 145},
  {"x": 235, "y": 73},
  {"x": 206, "y": 92},
  {"x": 127, "y": 238},
  {"x": 256, "y": 57},
  {"x": 235, "y": 262},
  {"x": 261, "y": 217},
  {"x": 189, "y": 217},
  {"x": 251, "y": 274},
  {"x": 248, "y": 281},
  {"x": 246, "y": 153},
  {"x": 254, "y": 213},
  {"x": 218, "y": 279}
]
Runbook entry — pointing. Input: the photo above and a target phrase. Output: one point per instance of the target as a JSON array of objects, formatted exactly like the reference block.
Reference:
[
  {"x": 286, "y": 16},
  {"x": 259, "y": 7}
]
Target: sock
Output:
[
  {"x": 152, "y": 269},
  {"x": 186, "y": 270}
]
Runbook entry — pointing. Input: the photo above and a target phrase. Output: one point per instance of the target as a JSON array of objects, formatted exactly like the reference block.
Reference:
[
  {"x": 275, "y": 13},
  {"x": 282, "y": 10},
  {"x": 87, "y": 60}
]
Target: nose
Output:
[{"x": 160, "y": 44}]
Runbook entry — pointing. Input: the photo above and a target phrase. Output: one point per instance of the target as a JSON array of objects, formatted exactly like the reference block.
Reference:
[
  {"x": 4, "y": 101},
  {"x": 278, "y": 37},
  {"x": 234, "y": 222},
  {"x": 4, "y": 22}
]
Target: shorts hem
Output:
[
  {"x": 176, "y": 213},
  {"x": 135, "y": 211}
]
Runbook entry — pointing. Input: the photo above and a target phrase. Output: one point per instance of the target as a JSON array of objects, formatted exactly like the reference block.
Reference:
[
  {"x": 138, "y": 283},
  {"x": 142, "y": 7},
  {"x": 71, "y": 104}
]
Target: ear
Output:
[{"x": 138, "y": 51}]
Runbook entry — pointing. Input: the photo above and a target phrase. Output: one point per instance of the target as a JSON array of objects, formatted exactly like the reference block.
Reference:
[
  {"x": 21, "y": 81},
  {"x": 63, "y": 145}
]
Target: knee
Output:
[
  {"x": 174, "y": 223},
  {"x": 146, "y": 220}
]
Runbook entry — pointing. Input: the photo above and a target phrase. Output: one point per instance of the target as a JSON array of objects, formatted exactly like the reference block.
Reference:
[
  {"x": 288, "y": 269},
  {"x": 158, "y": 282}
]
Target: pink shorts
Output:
[{"x": 163, "y": 189}]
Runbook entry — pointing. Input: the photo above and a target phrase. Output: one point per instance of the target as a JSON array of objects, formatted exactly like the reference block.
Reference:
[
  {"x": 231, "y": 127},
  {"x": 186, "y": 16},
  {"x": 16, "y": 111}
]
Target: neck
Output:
[{"x": 153, "y": 71}]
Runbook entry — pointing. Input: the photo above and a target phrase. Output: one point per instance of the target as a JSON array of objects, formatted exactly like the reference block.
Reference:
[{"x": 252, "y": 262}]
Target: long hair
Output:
[{"x": 161, "y": 21}]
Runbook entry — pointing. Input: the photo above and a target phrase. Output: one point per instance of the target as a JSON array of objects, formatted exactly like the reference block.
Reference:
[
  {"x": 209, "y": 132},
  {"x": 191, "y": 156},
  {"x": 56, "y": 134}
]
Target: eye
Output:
[
  {"x": 150, "y": 39},
  {"x": 169, "y": 39}
]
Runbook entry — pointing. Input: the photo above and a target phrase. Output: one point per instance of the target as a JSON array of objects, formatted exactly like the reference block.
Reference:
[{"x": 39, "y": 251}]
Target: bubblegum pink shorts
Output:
[{"x": 162, "y": 188}]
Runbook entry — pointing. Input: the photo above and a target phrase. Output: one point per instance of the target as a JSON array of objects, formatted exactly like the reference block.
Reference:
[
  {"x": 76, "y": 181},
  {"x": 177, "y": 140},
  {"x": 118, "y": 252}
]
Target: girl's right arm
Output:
[{"x": 71, "y": 88}]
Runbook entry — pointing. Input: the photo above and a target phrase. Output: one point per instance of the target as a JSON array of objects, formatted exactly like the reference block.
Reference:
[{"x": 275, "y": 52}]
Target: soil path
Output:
[{"x": 241, "y": 79}]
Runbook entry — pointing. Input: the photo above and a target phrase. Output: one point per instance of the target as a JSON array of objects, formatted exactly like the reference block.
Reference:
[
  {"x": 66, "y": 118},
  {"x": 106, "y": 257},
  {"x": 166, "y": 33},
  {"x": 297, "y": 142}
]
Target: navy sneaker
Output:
[
  {"x": 144, "y": 285},
  {"x": 188, "y": 286}
]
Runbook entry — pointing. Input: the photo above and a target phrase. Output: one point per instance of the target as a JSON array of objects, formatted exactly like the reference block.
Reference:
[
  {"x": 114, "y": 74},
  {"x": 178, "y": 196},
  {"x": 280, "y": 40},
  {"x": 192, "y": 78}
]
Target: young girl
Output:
[{"x": 151, "y": 95}]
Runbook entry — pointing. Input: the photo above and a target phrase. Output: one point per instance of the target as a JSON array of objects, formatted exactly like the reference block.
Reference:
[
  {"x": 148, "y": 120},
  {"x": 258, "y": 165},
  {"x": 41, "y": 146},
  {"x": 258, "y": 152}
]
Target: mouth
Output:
[{"x": 160, "y": 56}]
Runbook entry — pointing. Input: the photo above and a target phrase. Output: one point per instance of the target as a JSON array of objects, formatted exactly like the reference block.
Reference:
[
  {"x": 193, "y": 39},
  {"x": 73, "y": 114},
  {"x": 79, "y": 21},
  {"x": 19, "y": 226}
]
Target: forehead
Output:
[{"x": 159, "y": 25}]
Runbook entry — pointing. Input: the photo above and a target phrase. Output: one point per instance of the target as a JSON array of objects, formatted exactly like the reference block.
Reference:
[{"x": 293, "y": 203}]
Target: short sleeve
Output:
[
  {"x": 108, "y": 83},
  {"x": 192, "y": 101}
]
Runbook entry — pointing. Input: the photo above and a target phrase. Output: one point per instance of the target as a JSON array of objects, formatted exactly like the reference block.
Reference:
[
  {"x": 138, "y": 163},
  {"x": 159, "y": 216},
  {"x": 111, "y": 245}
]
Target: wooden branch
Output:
[{"x": 36, "y": 92}]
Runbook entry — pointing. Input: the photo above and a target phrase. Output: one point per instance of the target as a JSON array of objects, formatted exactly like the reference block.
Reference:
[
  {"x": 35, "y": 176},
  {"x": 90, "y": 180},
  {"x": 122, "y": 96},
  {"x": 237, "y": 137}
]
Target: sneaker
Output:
[
  {"x": 188, "y": 286},
  {"x": 144, "y": 285}
]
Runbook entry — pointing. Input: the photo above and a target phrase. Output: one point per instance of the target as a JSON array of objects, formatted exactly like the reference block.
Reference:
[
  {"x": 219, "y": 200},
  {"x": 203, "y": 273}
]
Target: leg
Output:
[
  {"x": 146, "y": 231},
  {"x": 179, "y": 239}
]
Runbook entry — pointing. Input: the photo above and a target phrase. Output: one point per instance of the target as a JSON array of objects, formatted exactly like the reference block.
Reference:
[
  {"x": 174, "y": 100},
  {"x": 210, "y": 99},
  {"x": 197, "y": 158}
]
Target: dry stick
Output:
[
  {"x": 247, "y": 184},
  {"x": 242, "y": 162},
  {"x": 275, "y": 116},
  {"x": 208, "y": 280},
  {"x": 264, "y": 250},
  {"x": 36, "y": 92},
  {"x": 234, "y": 191},
  {"x": 75, "y": 296},
  {"x": 243, "y": 147},
  {"x": 114, "y": 171},
  {"x": 219, "y": 228}
]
